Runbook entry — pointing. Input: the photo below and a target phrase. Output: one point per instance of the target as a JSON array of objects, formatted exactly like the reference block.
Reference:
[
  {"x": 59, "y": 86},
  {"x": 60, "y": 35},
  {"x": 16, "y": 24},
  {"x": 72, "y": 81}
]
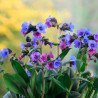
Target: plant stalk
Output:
[{"x": 72, "y": 82}]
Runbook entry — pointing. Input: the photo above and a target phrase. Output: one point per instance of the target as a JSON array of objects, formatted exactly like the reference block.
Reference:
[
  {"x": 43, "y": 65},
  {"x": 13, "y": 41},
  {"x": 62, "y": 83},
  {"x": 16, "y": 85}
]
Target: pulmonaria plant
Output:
[{"x": 45, "y": 75}]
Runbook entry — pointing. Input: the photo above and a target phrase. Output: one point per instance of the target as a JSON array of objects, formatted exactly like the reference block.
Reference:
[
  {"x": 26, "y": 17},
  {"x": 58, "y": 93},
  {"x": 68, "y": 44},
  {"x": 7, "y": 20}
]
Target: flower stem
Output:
[
  {"x": 11, "y": 94},
  {"x": 72, "y": 82},
  {"x": 43, "y": 84}
]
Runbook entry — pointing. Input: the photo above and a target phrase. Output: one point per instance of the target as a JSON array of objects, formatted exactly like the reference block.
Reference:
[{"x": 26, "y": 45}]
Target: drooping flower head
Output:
[
  {"x": 62, "y": 45},
  {"x": 22, "y": 45},
  {"x": 73, "y": 58},
  {"x": 57, "y": 63},
  {"x": 87, "y": 32},
  {"x": 41, "y": 27},
  {"x": 48, "y": 23},
  {"x": 91, "y": 51},
  {"x": 51, "y": 21},
  {"x": 4, "y": 53},
  {"x": 35, "y": 56},
  {"x": 92, "y": 45},
  {"x": 50, "y": 44},
  {"x": 68, "y": 39},
  {"x": 37, "y": 34},
  {"x": 43, "y": 58},
  {"x": 77, "y": 43},
  {"x": 96, "y": 37},
  {"x": 34, "y": 40},
  {"x": 67, "y": 27},
  {"x": 80, "y": 32},
  {"x": 85, "y": 40},
  {"x": 51, "y": 55},
  {"x": 50, "y": 66}
]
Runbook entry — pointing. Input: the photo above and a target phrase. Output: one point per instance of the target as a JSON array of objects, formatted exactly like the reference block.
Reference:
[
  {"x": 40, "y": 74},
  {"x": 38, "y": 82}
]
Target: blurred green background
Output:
[{"x": 82, "y": 13}]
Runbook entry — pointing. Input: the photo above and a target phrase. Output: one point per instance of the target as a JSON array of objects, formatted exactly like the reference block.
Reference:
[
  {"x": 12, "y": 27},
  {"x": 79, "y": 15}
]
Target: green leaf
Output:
[
  {"x": 39, "y": 83},
  {"x": 84, "y": 59},
  {"x": 61, "y": 36},
  {"x": 95, "y": 83},
  {"x": 80, "y": 78},
  {"x": 33, "y": 79},
  {"x": 30, "y": 92},
  {"x": 74, "y": 94},
  {"x": 56, "y": 44},
  {"x": 65, "y": 79},
  {"x": 86, "y": 73},
  {"x": 33, "y": 50},
  {"x": 15, "y": 83},
  {"x": 61, "y": 85},
  {"x": 82, "y": 87},
  {"x": 64, "y": 53},
  {"x": 20, "y": 71},
  {"x": 1, "y": 61},
  {"x": 79, "y": 64}
]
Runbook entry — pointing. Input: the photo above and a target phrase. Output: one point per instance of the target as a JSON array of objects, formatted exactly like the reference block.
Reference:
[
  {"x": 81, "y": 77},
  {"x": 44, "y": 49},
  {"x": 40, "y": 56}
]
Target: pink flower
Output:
[
  {"x": 24, "y": 34},
  {"x": 91, "y": 51},
  {"x": 62, "y": 45},
  {"x": 51, "y": 55},
  {"x": 50, "y": 65},
  {"x": 37, "y": 34},
  {"x": 20, "y": 58},
  {"x": 43, "y": 58}
]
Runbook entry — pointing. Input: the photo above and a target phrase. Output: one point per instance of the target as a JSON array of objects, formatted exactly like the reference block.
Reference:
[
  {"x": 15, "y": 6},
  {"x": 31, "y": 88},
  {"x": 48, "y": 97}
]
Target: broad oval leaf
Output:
[
  {"x": 20, "y": 71},
  {"x": 61, "y": 85},
  {"x": 15, "y": 83}
]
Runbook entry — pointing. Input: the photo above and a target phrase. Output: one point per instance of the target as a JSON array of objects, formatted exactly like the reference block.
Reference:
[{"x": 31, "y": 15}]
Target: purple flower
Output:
[
  {"x": 57, "y": 63},
  {"x": 50, "y": 65},
  {"x": 48, "y": 23},
  {"x": 35, "y": 56},
  {"x": 85, "y": 40},
  {"x": 51, "y": 43},
  {"x": 87, "y": 32},
  {"x": 80, "y": 32},
  {"x": 68, "y": 39},
  {"x": 92, "y": 45},
  {"x": 34, "y": 40},
  {"x": 63, "y": 39},
  {"x": 41, "y": 27},
  {"x": 96, "y": 37},
  {"x": 37, "y": 34},
  {"x": 62, "y": 45},
  {"x": 28, "y": 73},
  {"x": 25, "y": 27},
  {"x": 43, "y": 58},
  {"x": 77, "y": 43},
  {"x": 73, "y": 58},
  {"x": 22, "y": 45},
  {"x": 4, "y": 53}
]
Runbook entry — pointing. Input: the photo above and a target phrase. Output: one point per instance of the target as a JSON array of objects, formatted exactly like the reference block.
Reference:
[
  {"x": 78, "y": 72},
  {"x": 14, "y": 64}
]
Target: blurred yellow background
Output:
[{"x": 82, "y": 13}]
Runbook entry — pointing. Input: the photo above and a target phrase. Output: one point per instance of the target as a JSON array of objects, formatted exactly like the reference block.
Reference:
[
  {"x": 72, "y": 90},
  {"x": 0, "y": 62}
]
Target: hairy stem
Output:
[{"x": 72, "y": 82}]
